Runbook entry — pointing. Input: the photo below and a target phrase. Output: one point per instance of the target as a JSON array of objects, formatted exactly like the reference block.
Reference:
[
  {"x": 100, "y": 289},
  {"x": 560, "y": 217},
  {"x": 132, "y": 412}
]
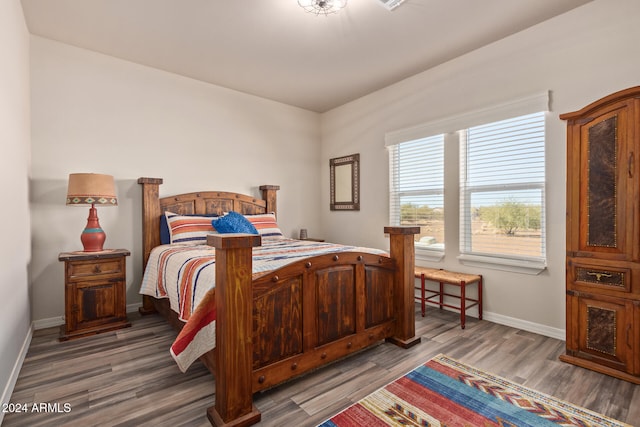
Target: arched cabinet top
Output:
[{"x": 632, "y": 92}]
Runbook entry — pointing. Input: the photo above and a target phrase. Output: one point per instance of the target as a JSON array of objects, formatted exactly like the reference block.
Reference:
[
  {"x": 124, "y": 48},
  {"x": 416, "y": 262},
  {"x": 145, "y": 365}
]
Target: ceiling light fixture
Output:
[
  {"x": 391, "y": 4},
  {"x": 322, "y": 7}
]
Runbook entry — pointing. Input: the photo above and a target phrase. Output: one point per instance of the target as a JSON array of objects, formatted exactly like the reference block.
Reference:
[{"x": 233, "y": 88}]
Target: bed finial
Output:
[{"x": 269, "y": 195}]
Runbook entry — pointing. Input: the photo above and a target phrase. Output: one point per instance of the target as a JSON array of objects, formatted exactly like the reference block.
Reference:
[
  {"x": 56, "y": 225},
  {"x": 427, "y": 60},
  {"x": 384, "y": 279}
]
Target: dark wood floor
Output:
[{"x": 128, "y": 378}]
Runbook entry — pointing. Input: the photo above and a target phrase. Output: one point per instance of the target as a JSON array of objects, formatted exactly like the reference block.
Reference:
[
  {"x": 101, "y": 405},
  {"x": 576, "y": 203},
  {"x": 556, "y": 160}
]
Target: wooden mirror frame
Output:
[{"x": 353, "y": 202}]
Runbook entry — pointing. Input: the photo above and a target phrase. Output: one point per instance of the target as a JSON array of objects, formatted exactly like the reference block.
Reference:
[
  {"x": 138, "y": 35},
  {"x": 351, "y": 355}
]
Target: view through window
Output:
[
  {"x": 417, "y": 189},
  {"x": 502, "y": 175}
]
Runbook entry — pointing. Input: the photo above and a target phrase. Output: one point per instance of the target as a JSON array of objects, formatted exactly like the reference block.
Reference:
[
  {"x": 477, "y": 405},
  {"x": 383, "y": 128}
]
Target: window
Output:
[
  {"x": 502, "y": 193},
  {"x": 416, "y": 175},
  {"x": 494, "y": 182}
]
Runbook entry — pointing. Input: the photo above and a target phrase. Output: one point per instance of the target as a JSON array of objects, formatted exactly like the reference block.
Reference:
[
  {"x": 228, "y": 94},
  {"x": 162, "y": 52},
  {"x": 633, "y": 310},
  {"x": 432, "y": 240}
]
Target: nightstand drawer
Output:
[{"x": 83, "y": 269}]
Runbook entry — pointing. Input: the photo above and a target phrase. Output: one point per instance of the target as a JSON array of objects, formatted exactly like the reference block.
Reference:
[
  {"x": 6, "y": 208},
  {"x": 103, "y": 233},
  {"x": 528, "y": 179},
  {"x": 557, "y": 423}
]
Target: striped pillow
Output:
[
  {"x": 265, "y": 224},
  {"x": 189, "y": 229}
]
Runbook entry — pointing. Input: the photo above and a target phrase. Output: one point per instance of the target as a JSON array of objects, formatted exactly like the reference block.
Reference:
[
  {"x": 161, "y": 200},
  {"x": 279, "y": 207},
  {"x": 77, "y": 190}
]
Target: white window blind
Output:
[
  {"x": 492, "y": 113},
  {"x": 416, "y": 175},
  {"x": 502, "y": 189}
]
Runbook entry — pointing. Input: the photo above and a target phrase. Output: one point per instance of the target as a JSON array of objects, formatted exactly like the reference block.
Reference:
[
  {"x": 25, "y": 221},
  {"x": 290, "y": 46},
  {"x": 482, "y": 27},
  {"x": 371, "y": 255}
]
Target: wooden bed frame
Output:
[{"x": 292, "y": 320}]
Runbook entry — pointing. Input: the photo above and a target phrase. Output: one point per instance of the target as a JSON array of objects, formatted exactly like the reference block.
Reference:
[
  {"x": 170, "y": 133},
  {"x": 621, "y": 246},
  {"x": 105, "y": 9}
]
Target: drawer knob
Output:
[{"x": 96, "y": 269}]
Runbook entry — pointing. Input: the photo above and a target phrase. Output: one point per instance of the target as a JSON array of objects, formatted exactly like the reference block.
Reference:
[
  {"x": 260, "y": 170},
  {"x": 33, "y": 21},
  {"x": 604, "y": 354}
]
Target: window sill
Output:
[
  {"x": 504, "y": 264},
  {"x": 428, "y": 255}
]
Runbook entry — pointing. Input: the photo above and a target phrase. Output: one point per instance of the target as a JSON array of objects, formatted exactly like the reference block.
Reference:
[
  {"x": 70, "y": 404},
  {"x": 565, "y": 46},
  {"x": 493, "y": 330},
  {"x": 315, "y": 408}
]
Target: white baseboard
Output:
[
  {"x": 48, "y": 323},
  {"x": 525, "y": 325},
  {"x": 513, "y": 322},
  {"x": 8, "y": 390},
  {"x": 133, "y": 308}
]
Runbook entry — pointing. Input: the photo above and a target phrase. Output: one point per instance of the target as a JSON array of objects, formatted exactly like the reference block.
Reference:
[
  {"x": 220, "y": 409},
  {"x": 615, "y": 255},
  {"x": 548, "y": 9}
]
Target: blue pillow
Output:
[{"x": 233, "y": 222}]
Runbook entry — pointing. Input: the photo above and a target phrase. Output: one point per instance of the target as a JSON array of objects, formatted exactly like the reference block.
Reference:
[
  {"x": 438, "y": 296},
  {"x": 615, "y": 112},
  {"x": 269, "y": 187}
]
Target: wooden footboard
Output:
[{"x": 302, "y": 316}]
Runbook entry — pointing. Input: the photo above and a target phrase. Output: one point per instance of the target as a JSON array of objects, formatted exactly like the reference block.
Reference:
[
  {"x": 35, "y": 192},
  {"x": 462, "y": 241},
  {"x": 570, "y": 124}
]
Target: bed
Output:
[{"x": 271, "y": 325}]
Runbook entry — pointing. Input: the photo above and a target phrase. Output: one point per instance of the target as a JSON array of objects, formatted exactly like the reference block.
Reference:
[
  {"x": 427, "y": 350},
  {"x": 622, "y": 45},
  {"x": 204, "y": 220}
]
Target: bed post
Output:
[
  {"x": 402, "y": 252},
  {"x": 234, "y": 327},
  {"x": 269, "y": 195},
  {"x": 150, "y": 228}
]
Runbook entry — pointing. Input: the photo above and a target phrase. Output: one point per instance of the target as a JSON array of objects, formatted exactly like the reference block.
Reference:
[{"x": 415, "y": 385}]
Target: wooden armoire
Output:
[{"x": 603, "y": 236}]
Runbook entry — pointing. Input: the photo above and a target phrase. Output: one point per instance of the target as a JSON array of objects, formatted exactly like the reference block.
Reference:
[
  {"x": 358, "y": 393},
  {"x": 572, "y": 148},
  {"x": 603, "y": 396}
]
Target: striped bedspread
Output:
[{"x": 186, "y": 276}]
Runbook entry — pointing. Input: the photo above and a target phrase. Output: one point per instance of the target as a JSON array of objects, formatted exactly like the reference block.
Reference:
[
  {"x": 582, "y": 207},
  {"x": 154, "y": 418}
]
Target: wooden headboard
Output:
[{"x": 202, "y": 202}]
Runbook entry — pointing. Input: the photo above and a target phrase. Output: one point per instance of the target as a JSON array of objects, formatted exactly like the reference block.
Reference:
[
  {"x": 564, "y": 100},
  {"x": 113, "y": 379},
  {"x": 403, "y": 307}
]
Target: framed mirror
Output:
[{"x": 345, "y": 183}]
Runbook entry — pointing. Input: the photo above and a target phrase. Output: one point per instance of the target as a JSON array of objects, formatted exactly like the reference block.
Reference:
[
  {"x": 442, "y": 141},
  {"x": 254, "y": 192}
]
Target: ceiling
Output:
[{"x": 275, "y": 50}]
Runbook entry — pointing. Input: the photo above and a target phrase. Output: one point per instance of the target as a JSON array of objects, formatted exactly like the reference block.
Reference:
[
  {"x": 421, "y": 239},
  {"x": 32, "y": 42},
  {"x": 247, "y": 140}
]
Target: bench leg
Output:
[
  {"x": 441, "y": 295},
  {"x": 463, "y": 301},
  {"x": 480, "y": 298},
  {"x": 422, "y": 301}
]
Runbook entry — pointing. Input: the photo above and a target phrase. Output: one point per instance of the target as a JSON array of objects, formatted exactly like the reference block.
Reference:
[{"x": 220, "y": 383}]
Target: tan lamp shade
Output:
[{"x": 91, "y": 188}]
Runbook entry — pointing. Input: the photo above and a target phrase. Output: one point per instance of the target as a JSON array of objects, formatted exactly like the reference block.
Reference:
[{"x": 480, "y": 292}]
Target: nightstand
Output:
[{"x": 94, "y": 292}]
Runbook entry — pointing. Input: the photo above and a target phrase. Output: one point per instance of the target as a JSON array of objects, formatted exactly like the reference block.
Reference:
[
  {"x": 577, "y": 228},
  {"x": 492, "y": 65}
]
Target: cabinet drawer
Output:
[
  {"x": 618, "y": 280},
  {"x": 599, "y": 278},
  {"x": 95, "y": 269}
]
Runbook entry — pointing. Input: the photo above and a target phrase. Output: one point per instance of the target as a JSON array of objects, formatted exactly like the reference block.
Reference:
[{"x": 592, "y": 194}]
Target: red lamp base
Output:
[{"x": 93, "y": 236}]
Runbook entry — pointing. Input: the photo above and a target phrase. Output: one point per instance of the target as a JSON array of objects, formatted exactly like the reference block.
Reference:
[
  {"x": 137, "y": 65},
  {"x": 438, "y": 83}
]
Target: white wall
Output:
[
  {"x": 15, "y": 316},
  {"x": 95, "y": 113},
  {"x": 580, "y": 57}
]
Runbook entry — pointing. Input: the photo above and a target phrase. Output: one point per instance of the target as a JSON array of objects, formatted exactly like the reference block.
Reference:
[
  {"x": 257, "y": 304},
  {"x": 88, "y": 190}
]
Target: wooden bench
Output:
[{"x": 451, "y": 278}]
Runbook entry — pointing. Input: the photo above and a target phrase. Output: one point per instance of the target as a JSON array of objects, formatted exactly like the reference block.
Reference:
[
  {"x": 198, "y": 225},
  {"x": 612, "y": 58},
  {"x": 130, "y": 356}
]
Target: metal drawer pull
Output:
[{"x": 599, "y": 276}]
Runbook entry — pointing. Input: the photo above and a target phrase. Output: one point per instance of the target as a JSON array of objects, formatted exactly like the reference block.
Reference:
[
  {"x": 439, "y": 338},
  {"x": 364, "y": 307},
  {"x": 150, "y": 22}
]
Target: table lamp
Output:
[{"x": 91, "y": 189}]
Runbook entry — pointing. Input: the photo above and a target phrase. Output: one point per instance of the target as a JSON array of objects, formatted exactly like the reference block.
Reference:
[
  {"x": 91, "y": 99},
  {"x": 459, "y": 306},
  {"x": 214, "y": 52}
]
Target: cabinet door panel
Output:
[
  {"x": 604, "y": 217},
  {"x": 98, "y": 303},
  {"x": 605, "y": 331}
]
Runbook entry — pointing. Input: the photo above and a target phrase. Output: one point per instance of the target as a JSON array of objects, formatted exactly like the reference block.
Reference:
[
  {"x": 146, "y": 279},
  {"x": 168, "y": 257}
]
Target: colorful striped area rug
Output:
[{"x": 445, "y": 392}]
